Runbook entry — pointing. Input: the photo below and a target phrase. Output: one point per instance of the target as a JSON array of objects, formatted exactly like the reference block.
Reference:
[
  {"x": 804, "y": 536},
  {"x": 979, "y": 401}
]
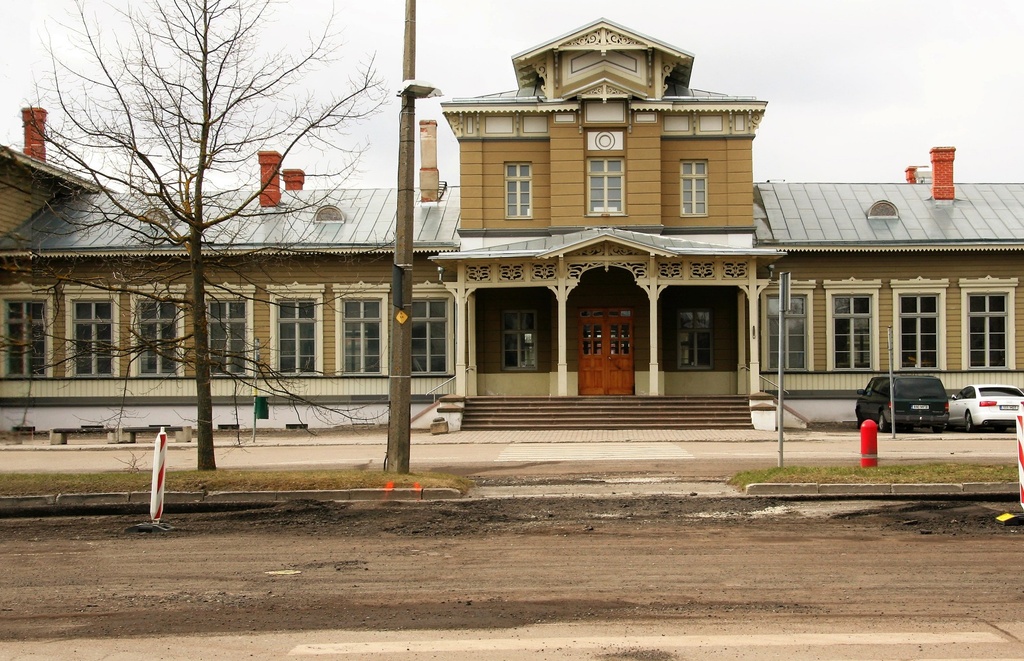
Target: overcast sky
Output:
[{"x": 857, "y": 90}]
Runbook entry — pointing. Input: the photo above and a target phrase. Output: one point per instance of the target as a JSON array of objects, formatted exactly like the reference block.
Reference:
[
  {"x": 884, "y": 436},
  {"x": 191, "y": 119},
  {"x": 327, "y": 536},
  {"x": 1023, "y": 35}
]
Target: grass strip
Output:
[
  {"x": 908, "y": 474},
  {"x": 34, "y": 484}
]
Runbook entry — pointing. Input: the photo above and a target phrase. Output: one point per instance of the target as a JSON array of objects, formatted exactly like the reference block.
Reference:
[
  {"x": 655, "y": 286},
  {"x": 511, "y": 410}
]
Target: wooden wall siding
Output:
[
  {"x": 730, "y": 180},
  {"x": 722, "y": 303},
  {"x": 491, "y": 303},
  {"x": 953, "y": 266},
  {"x": 471, "y": 161},
  {"x": 568, "y": 178},
  {"x": 492, "y": 182},
  {"x": 21, "y": 195},
  {"x": 846, "y": 384},
  {"x": 643, "y": 175},
  {"x": 111, "y": 391}
]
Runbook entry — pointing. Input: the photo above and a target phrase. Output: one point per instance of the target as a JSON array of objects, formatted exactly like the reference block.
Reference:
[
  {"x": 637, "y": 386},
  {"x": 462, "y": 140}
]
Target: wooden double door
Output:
[{"x": 606, "y": 351}]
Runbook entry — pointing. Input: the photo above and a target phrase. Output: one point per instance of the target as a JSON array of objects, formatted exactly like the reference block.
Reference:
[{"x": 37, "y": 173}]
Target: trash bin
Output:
[{"x": 262, "y": 408}]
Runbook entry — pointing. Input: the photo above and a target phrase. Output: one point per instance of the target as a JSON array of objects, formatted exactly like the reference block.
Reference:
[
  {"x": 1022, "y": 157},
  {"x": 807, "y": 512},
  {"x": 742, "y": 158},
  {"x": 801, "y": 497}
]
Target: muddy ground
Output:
[{"x": 480, "y": 564}]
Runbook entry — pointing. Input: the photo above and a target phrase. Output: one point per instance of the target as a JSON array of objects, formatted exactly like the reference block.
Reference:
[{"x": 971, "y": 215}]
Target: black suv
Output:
[{"x": 920, "y": 401}]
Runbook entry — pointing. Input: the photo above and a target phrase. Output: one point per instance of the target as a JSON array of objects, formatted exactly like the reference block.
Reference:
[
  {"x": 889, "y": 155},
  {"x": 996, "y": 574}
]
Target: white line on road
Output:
[
  {"x": 592, "y": 452},
  {"x": 540, "y": 645}
]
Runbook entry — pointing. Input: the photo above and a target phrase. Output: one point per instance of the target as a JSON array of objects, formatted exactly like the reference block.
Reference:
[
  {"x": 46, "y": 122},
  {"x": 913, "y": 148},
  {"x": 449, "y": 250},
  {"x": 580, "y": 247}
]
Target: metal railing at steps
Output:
[
  {"x": 766, "y": 380},
  {"x": 434, "y": 391}
]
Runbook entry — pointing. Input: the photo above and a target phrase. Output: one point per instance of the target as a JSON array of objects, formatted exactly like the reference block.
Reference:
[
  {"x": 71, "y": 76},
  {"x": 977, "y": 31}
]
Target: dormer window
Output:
[
  {"x": 883, "y": 210},
  {"x": 330, "y": 214}
]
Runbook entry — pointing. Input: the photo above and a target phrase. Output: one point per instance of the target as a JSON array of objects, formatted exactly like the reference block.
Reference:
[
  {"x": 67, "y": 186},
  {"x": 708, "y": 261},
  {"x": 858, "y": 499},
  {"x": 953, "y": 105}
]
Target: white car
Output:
[{"x": 985, "y": 405}]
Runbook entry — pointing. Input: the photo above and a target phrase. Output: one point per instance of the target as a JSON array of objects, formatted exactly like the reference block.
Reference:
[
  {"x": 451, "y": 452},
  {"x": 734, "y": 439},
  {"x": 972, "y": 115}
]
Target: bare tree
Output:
[{"x": 163, "y": 114}]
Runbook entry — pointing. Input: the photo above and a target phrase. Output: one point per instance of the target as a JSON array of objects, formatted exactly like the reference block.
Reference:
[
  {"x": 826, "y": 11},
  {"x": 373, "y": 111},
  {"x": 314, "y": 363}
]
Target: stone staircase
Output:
[{"x": 626, "y": 412}]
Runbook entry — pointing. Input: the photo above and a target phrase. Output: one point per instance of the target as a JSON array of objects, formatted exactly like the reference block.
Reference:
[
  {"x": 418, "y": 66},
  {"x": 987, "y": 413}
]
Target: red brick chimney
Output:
[
  {"x": 293, "y": 179},
  {"x": 942, "y": 173},
  {"x": 34, "y": 120},
  {"x": 270, "y": 165},
  {"x": 430, "y": 179},
  {"x": 911, "y": 174}
]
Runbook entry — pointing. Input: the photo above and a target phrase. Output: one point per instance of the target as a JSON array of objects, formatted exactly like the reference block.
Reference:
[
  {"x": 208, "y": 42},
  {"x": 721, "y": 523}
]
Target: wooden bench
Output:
[
  {"x": 60, "y": 436},
  {"x": 182, "y": 433}
]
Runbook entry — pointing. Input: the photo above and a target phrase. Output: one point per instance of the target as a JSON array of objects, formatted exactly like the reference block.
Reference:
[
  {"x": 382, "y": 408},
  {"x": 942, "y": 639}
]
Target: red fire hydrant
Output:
[{"x": 868, "y": 444}]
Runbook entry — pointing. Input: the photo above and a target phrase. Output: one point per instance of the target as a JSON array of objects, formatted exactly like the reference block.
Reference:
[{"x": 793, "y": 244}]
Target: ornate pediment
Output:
[{"x": 602, "y": 39}]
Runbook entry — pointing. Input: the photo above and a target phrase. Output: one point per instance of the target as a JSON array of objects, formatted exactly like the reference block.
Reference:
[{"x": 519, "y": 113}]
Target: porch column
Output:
[
  {"x": 741, "y": 341},
  {"x": 753, "y": 291},
  {"x": 470, "y": 373},
  {"x": 561, "y": 296},
  {"x": 460, "y": 293},
  {"x": 653, "y": 292}
]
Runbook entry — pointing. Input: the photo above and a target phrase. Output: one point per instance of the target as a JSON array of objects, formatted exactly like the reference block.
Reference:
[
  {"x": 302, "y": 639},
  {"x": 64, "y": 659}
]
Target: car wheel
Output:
[
  {"x": 969, "y": 423},
  {"x": 883, "y": 426}
]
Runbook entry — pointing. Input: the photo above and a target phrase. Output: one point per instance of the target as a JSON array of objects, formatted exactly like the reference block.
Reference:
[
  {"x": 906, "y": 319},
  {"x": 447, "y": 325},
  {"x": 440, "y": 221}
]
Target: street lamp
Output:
[{"x": 400, "y": 382}]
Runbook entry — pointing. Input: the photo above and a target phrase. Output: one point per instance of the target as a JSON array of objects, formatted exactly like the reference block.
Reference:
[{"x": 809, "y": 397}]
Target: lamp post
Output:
[{"x": 400, "y": 383}]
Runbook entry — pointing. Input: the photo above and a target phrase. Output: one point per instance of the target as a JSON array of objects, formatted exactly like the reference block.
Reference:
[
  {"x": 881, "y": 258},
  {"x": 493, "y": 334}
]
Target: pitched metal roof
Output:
[
  {"x": 91, "y": 224},
  {"x": 552, "y": 246},
  {"x": 829, "y": 216}
]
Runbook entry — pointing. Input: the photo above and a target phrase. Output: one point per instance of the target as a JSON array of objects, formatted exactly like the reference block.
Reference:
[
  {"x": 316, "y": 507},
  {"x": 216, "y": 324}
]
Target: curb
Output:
[{"x": 1007, "y": 489}]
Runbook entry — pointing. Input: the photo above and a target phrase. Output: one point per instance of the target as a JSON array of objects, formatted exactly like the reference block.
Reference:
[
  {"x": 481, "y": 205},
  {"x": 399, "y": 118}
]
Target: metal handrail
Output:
[
  {"x": 433, "y": 391},
  {"x": 764, "y": 378}
]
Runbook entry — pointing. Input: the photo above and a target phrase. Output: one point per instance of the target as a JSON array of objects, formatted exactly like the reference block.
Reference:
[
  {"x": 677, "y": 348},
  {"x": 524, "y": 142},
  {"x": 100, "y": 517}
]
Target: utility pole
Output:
[{"x": 400, "y": 383}]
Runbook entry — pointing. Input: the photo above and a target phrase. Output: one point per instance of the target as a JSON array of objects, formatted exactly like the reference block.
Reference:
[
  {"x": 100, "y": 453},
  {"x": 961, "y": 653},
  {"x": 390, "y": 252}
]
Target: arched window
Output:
[
  {"x": 883, "y": 210},
  {"x": 330, "y": 214}
]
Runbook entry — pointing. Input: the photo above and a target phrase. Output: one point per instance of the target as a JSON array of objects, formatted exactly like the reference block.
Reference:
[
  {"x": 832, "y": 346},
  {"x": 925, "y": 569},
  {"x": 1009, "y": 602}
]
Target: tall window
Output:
[
  {"x": 26, "y": 338},
  {"x": 851, "y": 328},
  {"x": 93, "y": 328},
  {"x": 519, "y": 339},
  {"x": 429, "y": 336},
  {"x": 158, "y": 333},
  {"x": 605, "y": 185},
  {"x": 796, "y": 333},
  {"x": 695, "y": 333},
  {"x": 361, "y": 329},
  {"x": 227, "y": 336},
  {"x": 694, "y": 189},
  {"x": 296, "y": 338},
  {"x": 987, "y": 330},
  {"x": 517, "y": 190},
  {"x": 919, "y": 330}
]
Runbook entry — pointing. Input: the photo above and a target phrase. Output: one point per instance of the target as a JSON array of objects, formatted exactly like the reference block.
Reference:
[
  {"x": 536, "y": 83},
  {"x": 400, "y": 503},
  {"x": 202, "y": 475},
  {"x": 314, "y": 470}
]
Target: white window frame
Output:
[
  {"x": 851, "y": 287},
  {"x": 804, "y": 288},
  {"x": 434, "y": 293},
  {"x": 362, "y": 291},
  {"x": 23, "y": 293},
  {"x": 296, "y": 292},
  {"x": 605, "y": 175},
  {"x": 710, "y": 332},
  {"x": 987, "y": 286},
  {"x": 519, "y": 333},
  {"x": 919, "y": 287},
  {"x": 89, "y": 294},
  {"x": 176, "y": 292},
  {"x": 228, "y": 293},
  {"x": 688, "y": 183},
  {"x": 514, "y": 187}
]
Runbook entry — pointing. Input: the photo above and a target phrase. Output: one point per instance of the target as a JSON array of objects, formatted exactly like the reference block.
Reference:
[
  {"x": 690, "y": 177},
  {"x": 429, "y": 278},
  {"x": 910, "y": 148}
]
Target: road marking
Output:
[
  {"x": 541, "y": 645},
  {"x": 592, "y": 452}
]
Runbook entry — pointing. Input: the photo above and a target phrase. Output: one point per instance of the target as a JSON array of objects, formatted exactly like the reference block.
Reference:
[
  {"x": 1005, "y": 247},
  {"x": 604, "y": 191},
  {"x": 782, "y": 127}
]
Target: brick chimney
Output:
[
  {"x": 430, "y": 179},
  {"x": 911, "y": 174},
  {"x": 293, "y": 179},
  {"x": 34, "y": 120},
  {"x": 942, "y": 173},
  {"x": 270, "y": 165}
]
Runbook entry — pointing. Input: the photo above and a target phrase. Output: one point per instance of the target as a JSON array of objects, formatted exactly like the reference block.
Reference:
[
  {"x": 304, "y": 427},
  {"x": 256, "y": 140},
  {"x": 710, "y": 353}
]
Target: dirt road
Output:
[{"x": 468, "y": 565}]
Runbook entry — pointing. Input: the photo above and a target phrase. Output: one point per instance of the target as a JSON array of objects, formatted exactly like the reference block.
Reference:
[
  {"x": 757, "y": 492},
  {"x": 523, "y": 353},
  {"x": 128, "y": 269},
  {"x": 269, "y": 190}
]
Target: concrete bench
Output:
[
  {"x": 182, "y": 433},
  {"x": 60, "y": 436}
]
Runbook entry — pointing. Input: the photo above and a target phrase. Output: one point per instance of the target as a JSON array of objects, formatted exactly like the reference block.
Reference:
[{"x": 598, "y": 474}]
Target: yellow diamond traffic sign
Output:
[{"x": 401, "y": 317}]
